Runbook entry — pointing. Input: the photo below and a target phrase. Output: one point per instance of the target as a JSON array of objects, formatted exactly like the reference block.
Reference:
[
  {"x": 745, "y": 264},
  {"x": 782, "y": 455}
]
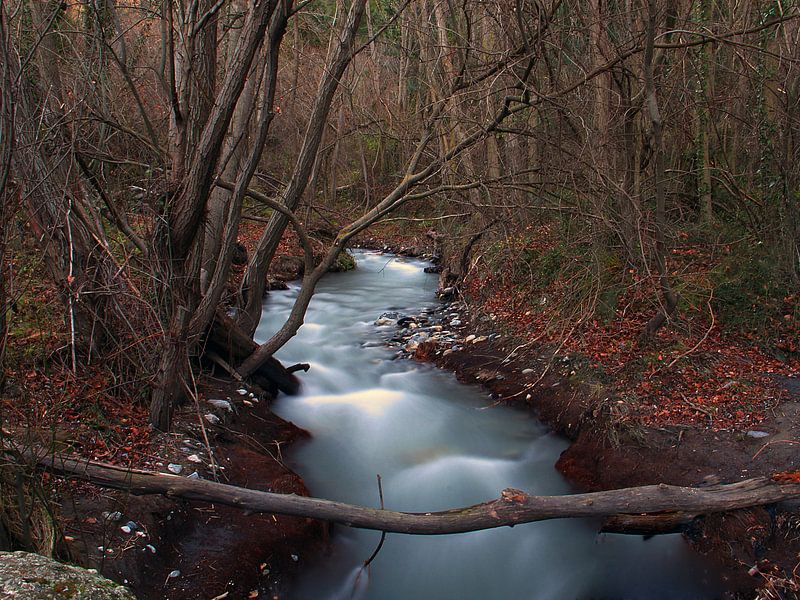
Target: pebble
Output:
[
  {"x": 113, "y": 516},
  {"x": 151, "y": 548},
  {"x": 212, "y": 418},
  {"x": 174, "y": 574},
  {"x": 455, "y": 323},
  {"x": 757, "y": 434},
  {"x": 221, "y": 404},
  {"x": 194, "y": 458},
  {"x": 129, "y": 527},
  {"x": 470, "y": 338},
  {"x": 194, "y": 475},
  {"x": 242, "y": 392},
  {"x": 173, "y": 468},
  {"x": 479, "y": 339},
  {"x": 527, "y": 371}
]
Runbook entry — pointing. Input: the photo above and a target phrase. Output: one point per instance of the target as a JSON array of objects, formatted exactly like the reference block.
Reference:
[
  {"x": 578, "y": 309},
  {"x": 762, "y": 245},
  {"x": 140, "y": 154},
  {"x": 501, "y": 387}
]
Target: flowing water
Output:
[{"x": 436, "y": 446}]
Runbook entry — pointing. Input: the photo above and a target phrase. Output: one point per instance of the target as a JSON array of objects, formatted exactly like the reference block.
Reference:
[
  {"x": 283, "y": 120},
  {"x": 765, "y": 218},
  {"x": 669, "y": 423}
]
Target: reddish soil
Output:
[{"x": 216, "y": 549}]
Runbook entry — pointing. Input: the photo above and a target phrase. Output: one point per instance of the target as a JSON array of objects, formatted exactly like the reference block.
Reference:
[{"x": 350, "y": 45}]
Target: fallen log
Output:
[
  {"x": 233, "y": 344},
  {"x": 513, "y": 507}
]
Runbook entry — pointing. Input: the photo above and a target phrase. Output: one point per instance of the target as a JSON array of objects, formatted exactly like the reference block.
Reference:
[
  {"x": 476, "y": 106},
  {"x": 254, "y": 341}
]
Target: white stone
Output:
[{"x": 221, "y": 404}]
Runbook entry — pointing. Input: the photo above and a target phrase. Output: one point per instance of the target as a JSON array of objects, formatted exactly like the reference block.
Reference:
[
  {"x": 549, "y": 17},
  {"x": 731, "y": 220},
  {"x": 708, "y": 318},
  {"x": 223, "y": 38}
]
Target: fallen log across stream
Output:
[{"x": 656, "y": 504}]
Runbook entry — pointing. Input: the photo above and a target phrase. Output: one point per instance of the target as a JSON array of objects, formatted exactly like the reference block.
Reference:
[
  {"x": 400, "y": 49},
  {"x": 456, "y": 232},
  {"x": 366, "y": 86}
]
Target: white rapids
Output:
[{"x": 420, "y": 430}]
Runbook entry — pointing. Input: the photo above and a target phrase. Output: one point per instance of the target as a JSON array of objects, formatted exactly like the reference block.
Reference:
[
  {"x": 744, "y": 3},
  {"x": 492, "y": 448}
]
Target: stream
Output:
[{"x": 436, "y": 445}]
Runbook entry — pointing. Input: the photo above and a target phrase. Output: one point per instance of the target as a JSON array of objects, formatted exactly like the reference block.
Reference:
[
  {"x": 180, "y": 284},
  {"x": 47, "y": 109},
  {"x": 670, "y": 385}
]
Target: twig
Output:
[
  {"x": 773, "y": 442},
  {"x": 703, "y": 339},
  {"x": 224, "y": 364},
  {"x": 377, "y": 548},
  {"x": 193, "y": 393},
  {"x": 383, "y": 533},
  {"x": 699, "y": 408}
]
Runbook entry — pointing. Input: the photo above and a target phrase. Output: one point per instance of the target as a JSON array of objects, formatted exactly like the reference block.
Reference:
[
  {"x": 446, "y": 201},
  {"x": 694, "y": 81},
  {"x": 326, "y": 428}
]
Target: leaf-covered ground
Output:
[{"x": 697, "y": 370}]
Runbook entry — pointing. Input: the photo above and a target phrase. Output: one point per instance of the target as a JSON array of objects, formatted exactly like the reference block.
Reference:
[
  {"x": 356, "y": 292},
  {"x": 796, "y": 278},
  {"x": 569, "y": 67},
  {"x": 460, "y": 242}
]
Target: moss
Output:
[{"x": 344, "y": 262}]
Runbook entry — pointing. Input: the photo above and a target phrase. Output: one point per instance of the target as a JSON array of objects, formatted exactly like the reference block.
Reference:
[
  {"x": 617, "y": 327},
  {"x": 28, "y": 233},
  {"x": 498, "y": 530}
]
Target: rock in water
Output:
[{"x": 27, "y": 576}]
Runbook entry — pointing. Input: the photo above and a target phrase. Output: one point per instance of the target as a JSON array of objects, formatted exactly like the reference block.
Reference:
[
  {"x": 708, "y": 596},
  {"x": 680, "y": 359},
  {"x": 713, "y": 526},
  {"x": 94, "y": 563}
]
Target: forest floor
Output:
[{"x": 754, "y": 548}]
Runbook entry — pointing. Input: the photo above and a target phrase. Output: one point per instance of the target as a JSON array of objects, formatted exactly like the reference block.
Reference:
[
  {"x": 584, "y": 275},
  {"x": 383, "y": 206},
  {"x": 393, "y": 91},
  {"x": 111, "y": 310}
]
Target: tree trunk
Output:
[
  {"x": 338, "y": 59},
  {"x": 705, "y": 78},
  {"x": 8, "y": 198},
  {"x": 235, "y": 345},
  {"x": 669, "y": 297}
]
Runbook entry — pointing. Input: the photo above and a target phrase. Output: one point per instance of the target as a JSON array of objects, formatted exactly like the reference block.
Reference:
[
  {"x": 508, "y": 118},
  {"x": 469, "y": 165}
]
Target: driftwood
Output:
[
  {"x": 665, "y": 503},
  {"x": 234, "y": 345}
]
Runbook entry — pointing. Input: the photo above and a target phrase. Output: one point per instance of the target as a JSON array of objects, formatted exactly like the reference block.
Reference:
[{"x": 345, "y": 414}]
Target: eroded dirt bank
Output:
[{"x": 188, "y": 550}]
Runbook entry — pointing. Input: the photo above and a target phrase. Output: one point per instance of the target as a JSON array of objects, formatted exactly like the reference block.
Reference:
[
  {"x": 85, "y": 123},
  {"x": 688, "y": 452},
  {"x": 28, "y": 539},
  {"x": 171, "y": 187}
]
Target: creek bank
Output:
[
  {"x": 755, "y": 548},
  {"x": 160, "y": 547}
]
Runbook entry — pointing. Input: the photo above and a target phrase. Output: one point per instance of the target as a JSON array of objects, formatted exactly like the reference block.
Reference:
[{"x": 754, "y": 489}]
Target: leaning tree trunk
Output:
[
  {"x": 234, "y": 345},
  {"x": 338, "y": 59}
]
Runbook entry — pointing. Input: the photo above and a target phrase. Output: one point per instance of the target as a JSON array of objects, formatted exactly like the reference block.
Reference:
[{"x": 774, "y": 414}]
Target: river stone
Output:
[
  {"x": 26, "y": 576},
  {"x": 221, "y": 404},
  {"x": 757, "y": 434}
]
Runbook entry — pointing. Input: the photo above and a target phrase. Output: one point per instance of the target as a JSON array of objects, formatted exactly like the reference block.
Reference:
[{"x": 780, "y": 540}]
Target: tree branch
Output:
[{"x": 513, "y": 507}]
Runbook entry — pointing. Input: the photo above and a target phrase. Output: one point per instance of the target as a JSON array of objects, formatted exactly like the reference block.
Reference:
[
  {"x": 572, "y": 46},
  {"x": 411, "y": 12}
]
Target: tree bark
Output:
[
  {"x": 669, "y": 297},
  {"x": 235, "y": 345},
  {"x": 513, "y": 507},
  {"x": 255, "y": 277}
]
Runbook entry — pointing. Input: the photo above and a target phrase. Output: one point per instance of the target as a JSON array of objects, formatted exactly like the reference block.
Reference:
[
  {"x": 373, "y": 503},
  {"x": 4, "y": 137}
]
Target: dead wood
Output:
[
  {"x": 666, "y": 503},
  {"x": 234, "y": 345}
]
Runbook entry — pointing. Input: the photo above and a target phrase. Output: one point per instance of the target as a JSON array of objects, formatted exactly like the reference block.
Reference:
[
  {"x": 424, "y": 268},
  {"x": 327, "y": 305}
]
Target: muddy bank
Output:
[
  {"x": 161, "y": 547},
  {"x": 754, "y": 548}
]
